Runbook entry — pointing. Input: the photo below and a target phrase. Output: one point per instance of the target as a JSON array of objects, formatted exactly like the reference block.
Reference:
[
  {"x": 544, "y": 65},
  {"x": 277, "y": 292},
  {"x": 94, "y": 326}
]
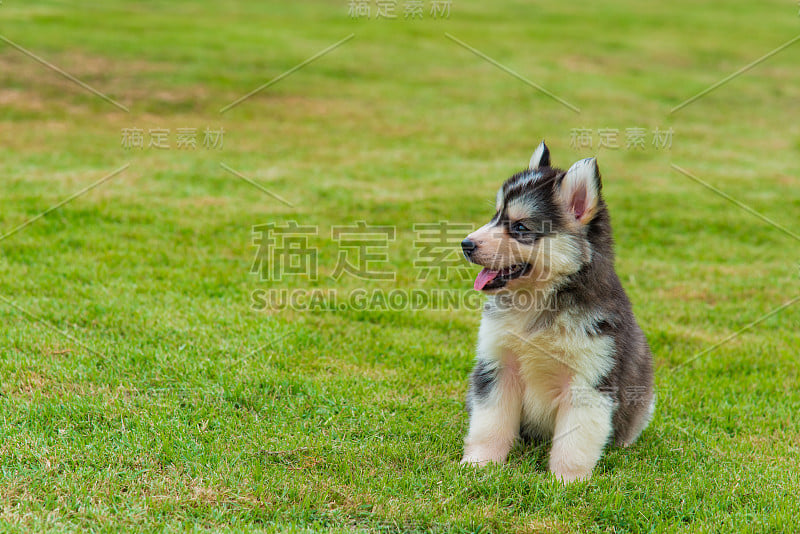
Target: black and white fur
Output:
[{"x": 574, "y": 367}]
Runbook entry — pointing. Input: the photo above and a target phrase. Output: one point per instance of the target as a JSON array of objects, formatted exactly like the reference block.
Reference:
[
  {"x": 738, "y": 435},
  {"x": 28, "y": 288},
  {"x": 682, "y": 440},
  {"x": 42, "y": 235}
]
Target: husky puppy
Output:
[{"x": 560, "y": 356}]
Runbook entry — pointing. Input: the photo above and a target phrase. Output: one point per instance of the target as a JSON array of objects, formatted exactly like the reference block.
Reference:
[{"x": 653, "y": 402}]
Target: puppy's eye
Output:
[
  {"x": 519, "y": 228},
  {"x": 521, "y": 231}
]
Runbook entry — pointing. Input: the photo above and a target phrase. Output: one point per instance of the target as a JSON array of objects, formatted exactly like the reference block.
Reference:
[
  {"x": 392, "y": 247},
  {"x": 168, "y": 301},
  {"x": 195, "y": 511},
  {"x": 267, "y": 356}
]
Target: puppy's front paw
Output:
[
  {"x": 481, "y": 456},
  {"x": 473, "y": 462},
  {"x": 571, "y": 475},
  {"x": 477, "y": 461}
]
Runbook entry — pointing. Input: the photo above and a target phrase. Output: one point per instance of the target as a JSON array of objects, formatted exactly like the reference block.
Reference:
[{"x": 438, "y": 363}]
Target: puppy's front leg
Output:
[
  {"x": 495, "y": 404},
  {"x": 583, "y": 427}
]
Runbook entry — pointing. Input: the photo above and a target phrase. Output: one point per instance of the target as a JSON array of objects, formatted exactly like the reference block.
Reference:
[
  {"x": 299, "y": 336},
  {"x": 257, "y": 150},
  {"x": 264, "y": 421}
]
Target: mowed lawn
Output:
[{"x": 143, "y": 388}]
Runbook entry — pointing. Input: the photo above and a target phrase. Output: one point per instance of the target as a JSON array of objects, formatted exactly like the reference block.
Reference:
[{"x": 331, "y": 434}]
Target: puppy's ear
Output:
[
  {"x": 541, "y": 157},
  {"x": 580, "y": 189},
  {"x": 498, "y": 199}
]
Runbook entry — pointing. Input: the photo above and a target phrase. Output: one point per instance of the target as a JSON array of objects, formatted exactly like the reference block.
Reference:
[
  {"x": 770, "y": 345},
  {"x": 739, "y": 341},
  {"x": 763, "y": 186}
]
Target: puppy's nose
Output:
[{"x": 468, "y": 246}]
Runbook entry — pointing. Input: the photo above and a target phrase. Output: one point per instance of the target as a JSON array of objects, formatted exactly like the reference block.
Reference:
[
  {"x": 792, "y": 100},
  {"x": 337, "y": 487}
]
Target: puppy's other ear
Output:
[
  {"x": 580, "y": 189},
  {"x": 541, "y": 157}
]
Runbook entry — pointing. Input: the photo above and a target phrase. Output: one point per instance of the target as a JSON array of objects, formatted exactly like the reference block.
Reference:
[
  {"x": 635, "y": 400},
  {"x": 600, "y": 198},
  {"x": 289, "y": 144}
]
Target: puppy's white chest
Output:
[{"x": 552, "y": 363}]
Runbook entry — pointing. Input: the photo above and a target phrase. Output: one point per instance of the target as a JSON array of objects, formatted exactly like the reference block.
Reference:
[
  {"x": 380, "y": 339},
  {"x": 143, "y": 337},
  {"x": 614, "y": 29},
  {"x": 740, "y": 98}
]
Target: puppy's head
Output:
[{"x": 540, "y": 230}]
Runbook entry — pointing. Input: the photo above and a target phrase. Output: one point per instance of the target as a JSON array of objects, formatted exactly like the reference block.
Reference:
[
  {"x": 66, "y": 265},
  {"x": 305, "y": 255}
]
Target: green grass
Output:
[{"x": 156, "y": 414}]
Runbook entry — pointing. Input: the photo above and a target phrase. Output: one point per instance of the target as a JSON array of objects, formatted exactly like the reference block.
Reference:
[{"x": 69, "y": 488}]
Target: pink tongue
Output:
[{"x": 484, "y": 277}]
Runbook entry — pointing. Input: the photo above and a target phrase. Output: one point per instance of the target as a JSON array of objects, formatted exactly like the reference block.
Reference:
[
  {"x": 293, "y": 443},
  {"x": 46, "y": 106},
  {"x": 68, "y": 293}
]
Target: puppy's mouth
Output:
[{"x": 489, "y": 279}]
